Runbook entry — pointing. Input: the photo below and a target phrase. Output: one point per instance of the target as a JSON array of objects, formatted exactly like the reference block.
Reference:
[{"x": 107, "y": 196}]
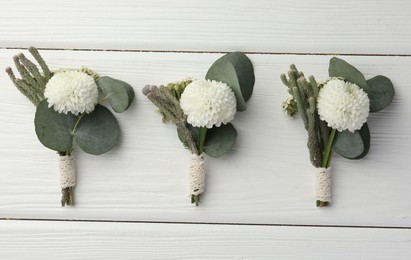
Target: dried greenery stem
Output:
[
  {"x": 169, "y": 107},
  {"x": 305, "y": 94},
  {"x": 32, "y": 82},
  {"x": 35, "y": 53}
]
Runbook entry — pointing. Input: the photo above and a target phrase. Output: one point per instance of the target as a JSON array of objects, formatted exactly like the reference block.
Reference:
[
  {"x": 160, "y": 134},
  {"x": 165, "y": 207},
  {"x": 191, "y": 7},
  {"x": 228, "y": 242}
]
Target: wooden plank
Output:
[
  {"x": 313, "y": 26},
  {"x": 267, "y": 179},
  {"x": 77, "y": 240}
]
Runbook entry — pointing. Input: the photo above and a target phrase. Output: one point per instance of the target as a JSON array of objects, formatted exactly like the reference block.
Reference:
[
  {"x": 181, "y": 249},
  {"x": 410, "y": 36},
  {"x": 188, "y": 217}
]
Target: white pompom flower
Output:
[
  {"x": 72, "y": 91},
  {"x": 207, "y": 103},
  {"x": 343, "y": 105}
]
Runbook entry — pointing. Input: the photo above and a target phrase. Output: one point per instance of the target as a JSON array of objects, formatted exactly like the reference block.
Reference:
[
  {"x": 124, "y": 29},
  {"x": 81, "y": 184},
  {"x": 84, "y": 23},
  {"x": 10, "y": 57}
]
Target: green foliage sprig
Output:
[
  {"x": 322, "y": 140},
  {"x": 305, "y": 94},
  {"x": 234, "y": 69},
  {"x": 95, "y": 133}
]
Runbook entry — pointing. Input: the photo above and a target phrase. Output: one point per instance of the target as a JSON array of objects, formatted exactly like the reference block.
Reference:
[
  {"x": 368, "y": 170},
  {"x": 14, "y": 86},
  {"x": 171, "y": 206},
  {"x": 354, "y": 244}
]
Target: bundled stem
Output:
[
  {"x": 67, "y": 196},
  {"x": 305, "y": 94},
  {"x": 67, "y": 190}
]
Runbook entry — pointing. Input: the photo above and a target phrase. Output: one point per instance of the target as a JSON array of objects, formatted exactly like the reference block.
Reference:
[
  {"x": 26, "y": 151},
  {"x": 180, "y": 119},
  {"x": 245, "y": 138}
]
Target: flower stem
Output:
[
  {"x": 196, "y": 198},
  {"x": 78, "y": 121},
  {"x": 203, "y": 133},
  {"x": 327, "y": 153}
]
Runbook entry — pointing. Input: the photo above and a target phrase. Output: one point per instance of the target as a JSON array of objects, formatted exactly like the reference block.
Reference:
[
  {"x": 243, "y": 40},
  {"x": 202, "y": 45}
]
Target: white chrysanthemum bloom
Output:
[
  {"x": 207, "y": 103},
  {"x": 343, "y": 105},
  {"x": 72, "y": 91}
]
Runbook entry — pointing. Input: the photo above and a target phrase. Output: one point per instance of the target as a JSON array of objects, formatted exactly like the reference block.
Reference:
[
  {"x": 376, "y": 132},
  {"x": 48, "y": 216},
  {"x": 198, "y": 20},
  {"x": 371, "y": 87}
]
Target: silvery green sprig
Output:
[
  {"x": 335, "y": 115},
  {"x": 203, "y": 109},
  {"x": 69, "y": 110}
]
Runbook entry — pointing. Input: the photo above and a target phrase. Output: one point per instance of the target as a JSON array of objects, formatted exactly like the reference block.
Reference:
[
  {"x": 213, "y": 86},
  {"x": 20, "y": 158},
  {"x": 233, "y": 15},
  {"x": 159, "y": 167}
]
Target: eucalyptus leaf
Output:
[
  {"x": 118, "y": 93},
  {"x": 381, "y": 93},
  {"x": 245, "y": 72},
  {"x": 236, "y": 70},
  {"x": 97, "y": 132},
  {"x": 53, "y": 129},
  {"x": 225, "y": 72},
  {"x": 220, "y": 140},
  {"x": 341, "y": 68},
  {"x": 353, "y": 145}
]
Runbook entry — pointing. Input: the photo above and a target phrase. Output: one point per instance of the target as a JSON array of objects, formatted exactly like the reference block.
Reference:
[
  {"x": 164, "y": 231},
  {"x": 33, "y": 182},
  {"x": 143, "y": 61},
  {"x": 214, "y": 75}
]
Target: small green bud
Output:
[
  {"x": 290, "y": 106},
  {"x": 177, "y": 88}
]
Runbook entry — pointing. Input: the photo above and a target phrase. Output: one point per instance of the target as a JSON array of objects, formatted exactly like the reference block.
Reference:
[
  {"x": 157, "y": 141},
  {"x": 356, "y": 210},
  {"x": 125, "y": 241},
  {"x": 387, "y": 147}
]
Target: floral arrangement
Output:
[
  {"x": 335, "y": 115},
  {"x": 68, "y": 110},
  {"x": 203, "y": 109}
]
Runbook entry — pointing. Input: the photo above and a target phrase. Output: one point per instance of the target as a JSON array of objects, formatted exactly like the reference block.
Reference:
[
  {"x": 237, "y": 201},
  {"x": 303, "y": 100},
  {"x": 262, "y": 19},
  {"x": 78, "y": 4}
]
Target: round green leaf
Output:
[
  {"x": 54, "y": 129},
  {"x": 341, "y": 68},
  {"x": 353, "y": 145},
  {"x": 97, "y": 132},
  {"x": 381, "y": 93},
  {"x": 245, "y": 72},
  {"x": 118, "y": 93},
  {"x": 236, "y": 70},
  {"x": 220, "y": 140}
]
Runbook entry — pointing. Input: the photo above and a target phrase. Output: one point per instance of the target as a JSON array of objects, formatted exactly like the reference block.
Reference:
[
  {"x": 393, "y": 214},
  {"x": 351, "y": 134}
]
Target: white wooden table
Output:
[{"x": 132, "y": 203}]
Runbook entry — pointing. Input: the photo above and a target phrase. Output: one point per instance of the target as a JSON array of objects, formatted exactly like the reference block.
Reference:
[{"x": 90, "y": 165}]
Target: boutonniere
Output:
[
  {"x": 335, "y": 114},
  {"x": 69, "y": 110},
  {"x": 203, "y": 109}
]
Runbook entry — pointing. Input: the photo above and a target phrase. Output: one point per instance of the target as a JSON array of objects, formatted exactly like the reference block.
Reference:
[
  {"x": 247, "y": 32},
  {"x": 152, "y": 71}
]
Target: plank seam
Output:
[
  {"x": 206, "y": 223},
  {"x": 214, "y": 52}
]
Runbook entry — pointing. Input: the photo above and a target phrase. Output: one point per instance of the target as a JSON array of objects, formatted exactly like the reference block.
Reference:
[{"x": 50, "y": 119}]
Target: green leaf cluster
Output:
[
  {"x": 380, "y": 92},
  {"x": 95, "y": 133}
]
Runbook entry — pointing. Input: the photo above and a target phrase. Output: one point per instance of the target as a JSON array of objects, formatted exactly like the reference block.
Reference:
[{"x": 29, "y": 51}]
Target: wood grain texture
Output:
[
  {"x": 267, "y": 178},
  {"x": 313, "y": 26},
  {"x": 76, "y": 240}
]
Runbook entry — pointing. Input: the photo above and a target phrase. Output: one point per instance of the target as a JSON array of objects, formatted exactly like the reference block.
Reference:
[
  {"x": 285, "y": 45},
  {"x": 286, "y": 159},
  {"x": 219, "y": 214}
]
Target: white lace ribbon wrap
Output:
[
  {"x": 67, "y": 171},
  {"x": 197, "y": 174},
  {"x": 323, "y": 184}
]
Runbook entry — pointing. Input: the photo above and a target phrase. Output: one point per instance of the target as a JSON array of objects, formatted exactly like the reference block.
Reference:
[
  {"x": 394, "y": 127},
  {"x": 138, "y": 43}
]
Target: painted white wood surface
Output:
[
  {"x": 321, "y": 26},
  {"x": 267, "y": 179},
  {"x": 85, "y": 240}
]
